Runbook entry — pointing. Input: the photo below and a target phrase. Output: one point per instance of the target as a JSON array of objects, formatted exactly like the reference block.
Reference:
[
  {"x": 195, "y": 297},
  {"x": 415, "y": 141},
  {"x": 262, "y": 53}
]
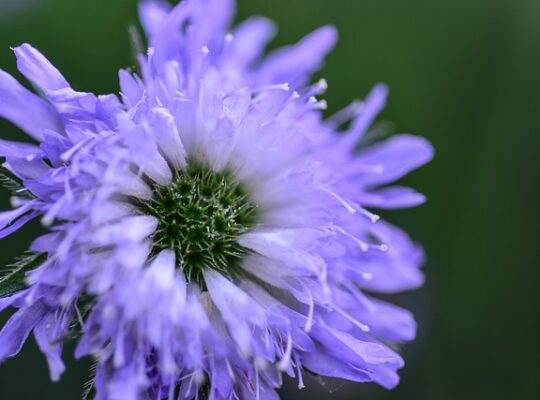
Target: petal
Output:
[
  {"x": 250, "y": 39},
  {"x": 392, "y": 198},
  {"x": 213, "y": 18},
  {"x": 320, "y": 362},
  {"x": 370, "y": 108},
  {"x": 16, "y": 225},
  {"x": 397, "y": 156},
  {"x": 48, "y": 333},
  {"x": 27, "y": 168},
  {"x": 133, "y": 228},
  {"x": 124, "y": 384},
  {"x": 162, "y": 270},
  {"x": 131, "y": 88},
  {"x": 25, "y": 109},
  {"x": 295, "y": 64},
  {"x": 152, "y": 13},
  {"x": 144, "y": 150},
  {"x": 375, "y": 359},
  {"x": 168, "y": 138},
  {"x": 236, "y": 307},
  {"x": 17, "y": 329},
  {"x": 289, "y": 246},
  {"x": 395, "y": 270},
  {"x": 6, "y": 302},
  {"x": 387, "y": 321},
  {"x": 19, "y": 150},
  {"x": 38, "y": 70},
  {"x": 12, "y": 220},
  {"x": 74, "y": 107}
]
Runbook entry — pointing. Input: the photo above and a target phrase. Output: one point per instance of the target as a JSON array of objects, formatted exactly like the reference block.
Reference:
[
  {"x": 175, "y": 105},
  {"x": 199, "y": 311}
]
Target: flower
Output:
[{"x": 207, "y": 230}]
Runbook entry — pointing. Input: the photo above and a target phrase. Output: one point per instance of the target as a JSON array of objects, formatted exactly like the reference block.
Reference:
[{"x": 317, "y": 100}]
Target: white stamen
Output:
[
  {"x": 279, "y": 86},
  {"x": 322, "y": 84},
  {"x": 363, "y": 245},
  {"x": 315, "y": 104},
  {"x": 349, "y": 208},
  {"x": 382, "y": 247},
  {"x": 372, "y": 217},
  {"x": 299, "y": 372},
  {"x": 363, "y": 327},
  {"x": 285, "y": 361},
  {"x": 309, "y": 322}
]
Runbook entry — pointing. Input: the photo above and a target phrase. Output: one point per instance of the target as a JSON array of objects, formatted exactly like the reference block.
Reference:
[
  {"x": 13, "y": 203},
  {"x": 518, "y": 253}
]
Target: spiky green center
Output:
[{"x": 201, "y": 215}]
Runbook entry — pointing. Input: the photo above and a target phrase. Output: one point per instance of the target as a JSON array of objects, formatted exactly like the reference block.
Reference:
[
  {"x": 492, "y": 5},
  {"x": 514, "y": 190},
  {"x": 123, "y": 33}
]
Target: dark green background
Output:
[{"x": 463, "y": 73}]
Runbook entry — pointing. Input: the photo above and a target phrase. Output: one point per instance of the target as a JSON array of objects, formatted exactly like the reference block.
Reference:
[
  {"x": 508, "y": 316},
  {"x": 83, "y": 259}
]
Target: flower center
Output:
[{"x": 201, "y": 214}]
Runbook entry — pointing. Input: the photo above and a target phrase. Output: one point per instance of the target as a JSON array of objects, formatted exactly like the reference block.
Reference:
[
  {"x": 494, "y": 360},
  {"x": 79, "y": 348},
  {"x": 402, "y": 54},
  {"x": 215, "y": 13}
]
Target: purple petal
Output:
[
  {"x": 235, "y": 306},
  {"x": 25, "y": 109},
  {"x": 131, "y": 88},
  {"x": 19, "y": 150},
  {"x": 371, "y": 107},
  {"x": 322, "y": 363},
  {"x": 250, "y": 40},
  {"x": 396, "y": 157},
  {"x": 152, "y": 13},
  {"x": 16, "y": 225},
  {"x": 295, "y": 64},
  {"x": 38, "y": 70},
  {"x": 388, "y": 322},
  {"x": 135, "y": 228},
  {"x": 391, "y": 198},
  {"x": 12, "y": 220},
  {"x": 398, "y": 269},
  {"x": 48, "y": 333},
  {"x": 17, "y": 329},
  {"x": 27, "y": 168},
  {"x": 6, "y": 302}
]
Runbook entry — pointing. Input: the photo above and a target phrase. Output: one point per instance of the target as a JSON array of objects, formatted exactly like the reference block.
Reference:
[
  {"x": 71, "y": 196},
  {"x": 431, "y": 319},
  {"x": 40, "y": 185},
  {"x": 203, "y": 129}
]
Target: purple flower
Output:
[{"x": 207, "y": 230}]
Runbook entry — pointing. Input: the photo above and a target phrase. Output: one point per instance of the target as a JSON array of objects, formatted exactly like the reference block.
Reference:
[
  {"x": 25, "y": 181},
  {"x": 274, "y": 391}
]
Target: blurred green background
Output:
[{"x": 464, "y": 74}]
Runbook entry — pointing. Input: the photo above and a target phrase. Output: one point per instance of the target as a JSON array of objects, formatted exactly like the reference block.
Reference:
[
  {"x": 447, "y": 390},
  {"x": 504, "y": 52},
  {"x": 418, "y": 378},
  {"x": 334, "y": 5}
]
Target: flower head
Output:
[{"x": 207, "y": 230}]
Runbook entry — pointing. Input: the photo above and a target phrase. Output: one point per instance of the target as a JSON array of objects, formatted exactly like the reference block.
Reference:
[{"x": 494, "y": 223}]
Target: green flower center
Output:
[{"x": 201, "y": 215}]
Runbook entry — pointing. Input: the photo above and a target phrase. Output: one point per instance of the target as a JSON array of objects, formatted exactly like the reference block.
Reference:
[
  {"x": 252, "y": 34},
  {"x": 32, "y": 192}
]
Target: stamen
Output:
[
  {"x": 285, "y": 361},
  {"x": 298, "y": 366},
  {"x": 372, "y": 217},
  {"x": 363, "y": 327},
  {"x": 349, "y": 208},
  {"x": 266, "y": 88}
]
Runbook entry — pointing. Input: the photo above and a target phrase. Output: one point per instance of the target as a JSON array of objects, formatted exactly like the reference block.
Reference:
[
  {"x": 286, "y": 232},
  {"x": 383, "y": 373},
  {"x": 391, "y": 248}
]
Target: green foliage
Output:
[
  {"x": 14, "y": 278},
  {"x": 12, "y": 183}
]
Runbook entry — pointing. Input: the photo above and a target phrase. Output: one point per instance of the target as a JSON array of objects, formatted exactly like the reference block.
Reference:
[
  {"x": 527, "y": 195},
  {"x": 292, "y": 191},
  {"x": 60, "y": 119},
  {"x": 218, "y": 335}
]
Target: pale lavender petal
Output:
[
  {"x": 368, "y": 110},
  {"x": 49, "y": 333},
  {"x": 34, "y": 66},
  {"x": 152, "y": 13},
  {"x": 295, "y": 64},
  {"x": 250, "y": 39},
  {"x": 17, "y": 329},
  {"x": 393, "y": 197},
  {"x": 26, "y": 110},
  {"x": 397, "y": 157}
]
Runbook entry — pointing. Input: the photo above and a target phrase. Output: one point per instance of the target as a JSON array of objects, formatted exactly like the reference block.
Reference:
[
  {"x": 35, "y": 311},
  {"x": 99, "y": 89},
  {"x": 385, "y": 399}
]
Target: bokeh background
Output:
[{"x": 464, "y": 74}]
